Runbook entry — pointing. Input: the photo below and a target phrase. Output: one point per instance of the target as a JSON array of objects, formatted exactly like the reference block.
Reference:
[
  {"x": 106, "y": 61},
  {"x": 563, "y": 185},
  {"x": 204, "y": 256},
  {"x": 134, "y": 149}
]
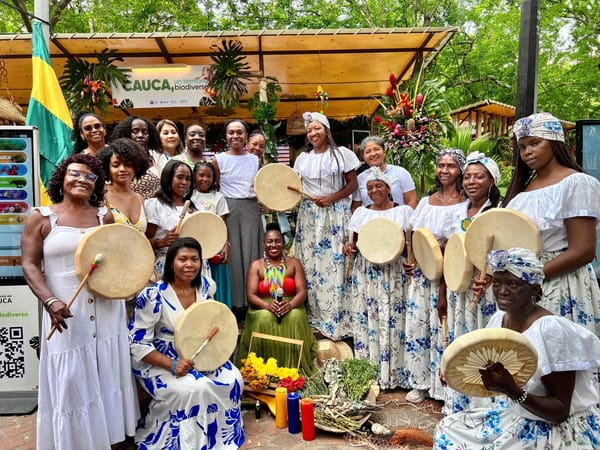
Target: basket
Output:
[
  {"x": 11, "y": 112},
  {"x": 255, "y": 335}
]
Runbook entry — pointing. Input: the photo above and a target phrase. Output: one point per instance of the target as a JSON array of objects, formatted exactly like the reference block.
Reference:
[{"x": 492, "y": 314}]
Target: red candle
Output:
[{"x": 308, "y": 419}]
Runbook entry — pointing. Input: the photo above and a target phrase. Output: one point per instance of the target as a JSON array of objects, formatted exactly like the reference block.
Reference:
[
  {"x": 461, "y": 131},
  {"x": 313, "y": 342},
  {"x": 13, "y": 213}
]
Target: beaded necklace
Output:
[{"x": 274, "y": 275}]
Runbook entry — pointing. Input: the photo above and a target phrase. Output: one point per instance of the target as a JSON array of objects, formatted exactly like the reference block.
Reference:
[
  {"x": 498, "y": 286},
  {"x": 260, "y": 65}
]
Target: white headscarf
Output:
[
  {"x": 488, "y": 163},
  {"x": 310, "y": 116},
  {"x": 521, "y": 262},
  {"x": 543, "y": 125}
]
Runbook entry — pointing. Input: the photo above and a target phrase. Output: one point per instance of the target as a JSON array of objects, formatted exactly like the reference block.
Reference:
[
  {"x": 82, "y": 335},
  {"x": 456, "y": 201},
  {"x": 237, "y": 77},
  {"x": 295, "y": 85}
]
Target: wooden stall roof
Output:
[{"x": 352, "y": 65}]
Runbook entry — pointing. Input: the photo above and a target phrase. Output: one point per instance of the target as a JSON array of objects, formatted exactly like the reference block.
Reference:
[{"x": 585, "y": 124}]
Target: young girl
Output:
[{"x": 206, "y": 198}]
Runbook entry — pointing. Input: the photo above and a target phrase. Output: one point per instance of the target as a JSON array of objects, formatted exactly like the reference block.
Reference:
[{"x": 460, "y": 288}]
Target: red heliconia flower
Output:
[
  {"x": 393, "y": 80},
  {"x": 389, "y": 92},
  {"x": 378, "y": 119},
  {"x": 419, "y": 99}
]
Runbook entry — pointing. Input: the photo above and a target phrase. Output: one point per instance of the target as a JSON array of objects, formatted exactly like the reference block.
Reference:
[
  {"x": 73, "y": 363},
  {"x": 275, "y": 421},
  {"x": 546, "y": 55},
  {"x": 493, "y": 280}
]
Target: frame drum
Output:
[
  {"x": 470, "y": 352},
  {"x": 208, "y": 229},
  {"x": 270, "y": 185},
  {"x": 458, "y": 269},
  {"x": 116, "y": 277},
  {"x": 380, "y": 240},
  {"x": 427, "y": 253},
  {"x": 193, "y": 327},
  {"x": 509, "y": 227}
]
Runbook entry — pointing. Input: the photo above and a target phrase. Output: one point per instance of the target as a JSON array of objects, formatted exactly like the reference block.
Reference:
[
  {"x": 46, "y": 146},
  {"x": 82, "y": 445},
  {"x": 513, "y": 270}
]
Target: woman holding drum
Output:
[
  {"x": 377, "y": 291},
  {"x": 550, "y": 188},
  {"x": 191, "y": 409},
  {"x": 426, "y": 297},
  {"x": 373, "y": 152},
  {"x": 235, "y": 170},
  {"x": 557, "y": 407},
  {"x": 266, "y": 315},
  {"x": 87, "y": 395},
  {"x": 328, "y": 174},
  {"x": 123, "y": 161}
]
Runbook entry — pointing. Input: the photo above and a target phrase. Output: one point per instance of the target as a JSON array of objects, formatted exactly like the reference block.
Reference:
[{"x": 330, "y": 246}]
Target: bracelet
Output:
[
  {"x": 50, "y": 301},
  {"x": 173, "y": 366},
  {"x": 522, "y": 398}
]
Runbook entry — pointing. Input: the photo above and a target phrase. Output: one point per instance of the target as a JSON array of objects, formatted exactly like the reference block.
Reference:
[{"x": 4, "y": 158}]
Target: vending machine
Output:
[{"x": 19, "y": 308}]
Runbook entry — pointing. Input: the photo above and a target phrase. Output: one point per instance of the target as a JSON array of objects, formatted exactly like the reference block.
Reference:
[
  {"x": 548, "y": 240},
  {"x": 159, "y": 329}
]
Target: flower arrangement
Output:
[
  {"x": 410, "y": 125},
  {"x": 260, "y": 375}
]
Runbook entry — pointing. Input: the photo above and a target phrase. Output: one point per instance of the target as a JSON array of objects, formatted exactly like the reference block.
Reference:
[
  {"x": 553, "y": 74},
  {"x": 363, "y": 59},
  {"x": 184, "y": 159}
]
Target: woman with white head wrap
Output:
[
  {"x": 550, "y": 188},
  {"x": 557, "y": 407},
  {"x": 377, "y": 291},
  {"x": 424, "y": 340},
  {"x": 328, "y": 174}
]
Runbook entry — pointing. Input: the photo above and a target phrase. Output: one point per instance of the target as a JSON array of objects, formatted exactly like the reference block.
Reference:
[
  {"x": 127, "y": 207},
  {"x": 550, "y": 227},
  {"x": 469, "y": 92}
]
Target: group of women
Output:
[{"x": 392, "y": 312}]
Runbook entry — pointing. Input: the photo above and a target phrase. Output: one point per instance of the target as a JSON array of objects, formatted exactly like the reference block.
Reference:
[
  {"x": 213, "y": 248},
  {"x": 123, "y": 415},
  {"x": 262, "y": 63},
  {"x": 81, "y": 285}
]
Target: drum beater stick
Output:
[
  {"x": 410, "y": 256},
  {"x": 93, "y": 266},
  {"x": 348, "y": 259},
  {"x": 301, "y": 192},
  {"x": 211, "y": 335},
  {"x": 184, "y": 210},
  {"x": 489, "y": 244}
]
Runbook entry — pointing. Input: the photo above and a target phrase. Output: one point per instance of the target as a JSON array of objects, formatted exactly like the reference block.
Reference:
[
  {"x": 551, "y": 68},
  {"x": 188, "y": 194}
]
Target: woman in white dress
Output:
[
  {"x": 426, "y": 299},
  {"x": 87, "y": 398},
  {"x": 557, "y": 407},
  {"x": 235, "y": 170},
  {"x": 372, "y": 150},
  {"x": 328, "y": 174},
  {"x": 170, "y": 142},
  {"x": 377, "y": 291},
  {"x": 190, "y": 409},
  {"x": 552, "y": 190}
]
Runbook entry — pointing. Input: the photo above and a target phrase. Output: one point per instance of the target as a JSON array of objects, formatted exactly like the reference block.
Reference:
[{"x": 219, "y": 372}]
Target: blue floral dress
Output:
[
  {"x": 497, "y": 423},
  {"x": 200, "y": 410},
  {"x": 377, "y": 295}
]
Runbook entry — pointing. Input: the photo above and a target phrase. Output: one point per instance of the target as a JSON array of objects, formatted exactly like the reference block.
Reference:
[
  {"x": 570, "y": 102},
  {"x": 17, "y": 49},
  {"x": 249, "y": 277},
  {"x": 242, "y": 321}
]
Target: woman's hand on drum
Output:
[
  {"x": 349, "y": 249},
  {"x": 479, "y": 286},
  {"x": 171, "y": 237},
  {"x": 58, "y": 312},
  {"x": 496, "y": 378},
  {"x": 183, "y": 366},
  {"x": 408, "y": 267}
]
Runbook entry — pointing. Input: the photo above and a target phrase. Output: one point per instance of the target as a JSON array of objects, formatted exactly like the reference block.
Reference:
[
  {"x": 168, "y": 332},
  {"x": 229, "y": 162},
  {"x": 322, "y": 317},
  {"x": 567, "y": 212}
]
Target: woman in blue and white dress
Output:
[
  {"x": 190, "y": 409},
  {"x": 425, "y": 305},
  {"x": 328, "y": 174},
  {"x": 377, "y": 291},
  {"x": 550, "y": 188}
]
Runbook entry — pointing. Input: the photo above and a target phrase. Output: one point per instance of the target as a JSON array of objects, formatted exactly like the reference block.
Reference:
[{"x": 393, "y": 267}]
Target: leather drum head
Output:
[
  {"x": 427, "y": 253},
  {"x": 458, "y": 269},
  {"x": 270, "y": 185},
  {"x": 208, "y": 229},
  {"x": 470, "y": 352},
  {"x": 117, "y": 275},
  {"x": 381, "y": 240},
  {"x": 193, "y": 327},
  {"x": 510, "y": 228}
]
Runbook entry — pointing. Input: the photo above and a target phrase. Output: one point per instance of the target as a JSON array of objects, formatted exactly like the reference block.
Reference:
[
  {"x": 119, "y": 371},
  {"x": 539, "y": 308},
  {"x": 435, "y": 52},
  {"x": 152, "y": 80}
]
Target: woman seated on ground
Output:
[
  {"x": 190, "y": 409},
  {"x": 287, "y": 318},
  {"x": 557, "y": 407}
]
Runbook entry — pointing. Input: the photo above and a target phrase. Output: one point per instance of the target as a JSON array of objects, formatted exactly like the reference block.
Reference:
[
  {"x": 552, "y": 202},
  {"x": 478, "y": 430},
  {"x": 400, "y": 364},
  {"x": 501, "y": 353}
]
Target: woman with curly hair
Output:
[
  {"x": 86, "y": 394},
  {"x": 89, "y": 133},
  {"x": 123, "y": 161}
]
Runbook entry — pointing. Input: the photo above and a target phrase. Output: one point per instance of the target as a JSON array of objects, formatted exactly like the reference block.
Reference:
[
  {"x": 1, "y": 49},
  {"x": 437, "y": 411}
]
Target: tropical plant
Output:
[
  {"x": 263, "y": 112},
  {"x": 228, "y": 72},
  {"x": 86, "y": 84}
]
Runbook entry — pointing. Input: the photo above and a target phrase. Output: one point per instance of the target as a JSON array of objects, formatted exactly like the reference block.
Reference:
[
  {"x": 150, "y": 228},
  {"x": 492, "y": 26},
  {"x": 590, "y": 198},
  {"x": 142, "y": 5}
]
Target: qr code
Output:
[{"x": 12, "y": 353}]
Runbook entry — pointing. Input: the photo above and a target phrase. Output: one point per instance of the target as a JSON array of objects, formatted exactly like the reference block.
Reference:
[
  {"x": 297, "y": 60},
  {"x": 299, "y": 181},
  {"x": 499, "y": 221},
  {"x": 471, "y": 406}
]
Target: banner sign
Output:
[{"x": 169, "y": 86}]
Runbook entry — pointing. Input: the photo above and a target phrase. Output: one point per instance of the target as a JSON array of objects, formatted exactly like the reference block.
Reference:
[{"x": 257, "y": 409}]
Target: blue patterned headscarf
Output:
[
  {"x": 456, "y": 153},
  {"x": 310, "y": 116},
  {"x": 543, "y": 125},
  {"x": 521, "y": 262},
  {"x": 488, "y": 163}
]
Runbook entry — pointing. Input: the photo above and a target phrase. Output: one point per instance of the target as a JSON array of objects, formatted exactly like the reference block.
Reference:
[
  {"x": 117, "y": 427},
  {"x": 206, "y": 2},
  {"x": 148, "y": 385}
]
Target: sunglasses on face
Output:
[
  {"x": 96, "y": 126},
  {"x": 89, "y": 177}
]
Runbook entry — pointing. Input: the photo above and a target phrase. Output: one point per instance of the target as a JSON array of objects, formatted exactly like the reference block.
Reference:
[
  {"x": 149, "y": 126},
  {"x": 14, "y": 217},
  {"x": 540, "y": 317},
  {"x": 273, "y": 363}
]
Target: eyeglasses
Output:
[
  {"x": 96, "y": 126},
  {"x": 89, "y": 177}
]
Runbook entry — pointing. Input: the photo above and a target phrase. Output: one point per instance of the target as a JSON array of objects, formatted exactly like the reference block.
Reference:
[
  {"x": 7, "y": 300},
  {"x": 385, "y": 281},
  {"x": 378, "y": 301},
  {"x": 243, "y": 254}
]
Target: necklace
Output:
[
  {"x": 449, "y": 199},
  {"x": 274, "y": 275}
]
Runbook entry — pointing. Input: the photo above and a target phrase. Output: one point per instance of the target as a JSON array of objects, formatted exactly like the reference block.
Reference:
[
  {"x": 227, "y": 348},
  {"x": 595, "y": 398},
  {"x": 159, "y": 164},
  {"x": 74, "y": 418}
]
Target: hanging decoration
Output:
[{"x": 322, "y": 97}]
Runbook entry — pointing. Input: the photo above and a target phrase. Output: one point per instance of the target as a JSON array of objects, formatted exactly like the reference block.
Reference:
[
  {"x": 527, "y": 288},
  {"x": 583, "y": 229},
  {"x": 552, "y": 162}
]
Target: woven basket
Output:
[{"x": 11, "y": 112}]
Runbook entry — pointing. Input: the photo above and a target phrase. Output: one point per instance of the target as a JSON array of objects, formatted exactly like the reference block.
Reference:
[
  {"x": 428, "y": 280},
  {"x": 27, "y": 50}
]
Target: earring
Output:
[{"x": 93, "y": 197}]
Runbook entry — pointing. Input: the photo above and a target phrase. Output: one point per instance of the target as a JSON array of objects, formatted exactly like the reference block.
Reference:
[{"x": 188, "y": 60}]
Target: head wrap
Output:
[
  {"x": 375, "y": 173},
  {"x": 521, "y": 262},
  {"x": 455, "y": 153},
  {"x": 488, "y": 163},
  {"x": 543, "y": 125},
  {"x": 310, "y": 116}
]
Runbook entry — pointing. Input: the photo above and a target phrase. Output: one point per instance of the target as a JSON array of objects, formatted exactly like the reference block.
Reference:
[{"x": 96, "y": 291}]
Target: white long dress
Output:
[
  {"x": 200, "y": 410},
  {"x": 574, "y": 295},
  {"x": 378, "y": 295},
  {"x": 424, "y": 338},
  {"x": 497, "y": 423},
  {"x": 87, "y": 398}
]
